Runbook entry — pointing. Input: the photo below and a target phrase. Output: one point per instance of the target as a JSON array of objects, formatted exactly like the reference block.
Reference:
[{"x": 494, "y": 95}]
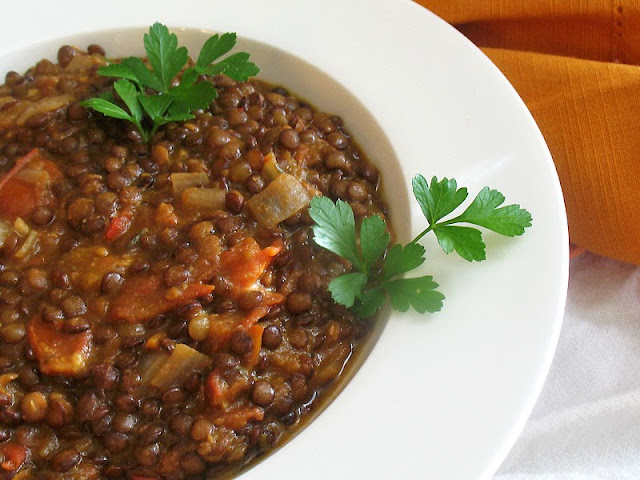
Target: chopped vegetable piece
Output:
[
  {"x": 222, "y": 326},
  {"x": 27, "y": 185},
  {"x": 334, "y": 360},
  {"x": 271, "y": 170},
  {"x": 20, "y": 163},
  {"x": 244, "y": 263},
  {"x": 255, "y": 333},
  {"x": 203, "y": 199},
  {"x": 5, "y": 379},
  {"x": 284, "y": 197},
  {"x": 151, "y": 364},
  {"x": 14, "y": 456},
  {"x": 118, "y": 226},
  {"x": 144, "y": 297},
  {"x": 181, "y": 181},
  {"x": 5, "y": 230},
  {"x": 28, "y": 246},
  {"x": 44, "y": 105},
  {"x": 182, "y": 361},
  {"x": 59, "y": 353},
  {"x": 88, "y": 265},
  {"x": 238, "y": 418},
  {"x": 223, "y": 394},
  {"x": 25, "y": 109},
  {"x": 21, "y": 227}
]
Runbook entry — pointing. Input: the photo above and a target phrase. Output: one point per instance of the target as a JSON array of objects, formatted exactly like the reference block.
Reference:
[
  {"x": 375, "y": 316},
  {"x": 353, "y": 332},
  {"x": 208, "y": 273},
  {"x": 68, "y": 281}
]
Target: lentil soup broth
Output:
[{"x": 118, "y": 409}]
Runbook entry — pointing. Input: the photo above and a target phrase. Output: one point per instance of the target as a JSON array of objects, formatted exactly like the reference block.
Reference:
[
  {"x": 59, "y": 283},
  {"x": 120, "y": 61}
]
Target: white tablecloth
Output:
[{"x": 586, "y": 423}]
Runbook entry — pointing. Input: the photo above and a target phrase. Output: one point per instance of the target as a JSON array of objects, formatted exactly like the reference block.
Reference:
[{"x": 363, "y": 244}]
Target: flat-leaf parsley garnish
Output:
[
  {"x": 151, "y": 97},
  {"x": 376, "y": 276}
]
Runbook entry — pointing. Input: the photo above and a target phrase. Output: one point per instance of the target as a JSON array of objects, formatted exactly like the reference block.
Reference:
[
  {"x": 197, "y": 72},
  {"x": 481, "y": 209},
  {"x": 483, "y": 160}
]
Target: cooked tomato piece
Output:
[
  {"x": 14, "y": 456},
  {"x": 238, "y": 418},
  {"x": 27, "y": 185},
  {"x": 145, "y": 296},
  {"x": 245, "y": 262},
  {"x": 59, "y": 353}
]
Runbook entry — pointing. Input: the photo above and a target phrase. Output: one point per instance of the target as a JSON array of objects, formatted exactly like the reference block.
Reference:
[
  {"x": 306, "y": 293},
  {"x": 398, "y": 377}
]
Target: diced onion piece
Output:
[
  {"x": 150, "y": 365},
  {"x": 5, "y": 230},
  {"x": 44, "y": 105},
  {"x": 181, "y": 181},
  {"x": 21, "y": 227},
  {"x": 281, "y": 199},
  {"x": 203, "y": 198},
  {"x": 334, "y": 360},
  {"x": 83, "y": 63},
  {"x": 28, "y": 245},
  {"x": 182, "y": 361},
  {"x": 271, "y": 170}
]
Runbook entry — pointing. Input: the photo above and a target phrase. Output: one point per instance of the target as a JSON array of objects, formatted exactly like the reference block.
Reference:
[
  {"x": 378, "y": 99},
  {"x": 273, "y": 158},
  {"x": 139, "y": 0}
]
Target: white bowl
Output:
[{"x": 441, "y": 396}]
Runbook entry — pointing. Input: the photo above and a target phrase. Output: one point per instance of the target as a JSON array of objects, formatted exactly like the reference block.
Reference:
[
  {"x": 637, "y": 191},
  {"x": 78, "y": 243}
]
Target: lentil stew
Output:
[{"x": 164, "y": 311}]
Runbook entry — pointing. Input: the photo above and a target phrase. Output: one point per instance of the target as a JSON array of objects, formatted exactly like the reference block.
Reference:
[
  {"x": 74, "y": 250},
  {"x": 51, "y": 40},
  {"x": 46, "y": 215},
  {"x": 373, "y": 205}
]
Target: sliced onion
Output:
[
  {"x": 284, "y": 197},
  {"x": 29, "y": 245},
  {"x": 203, "y": 199},
  {"x": 83, "y": 63},
  {"x": 21, "y": 227},
  {"x": 5, "y": 230},
  {"x": 271, "y": 170},
  {"x": 44, "y": 105},
  {"x": 182, "y": 361},
  {"x": 181, "y": 181}
]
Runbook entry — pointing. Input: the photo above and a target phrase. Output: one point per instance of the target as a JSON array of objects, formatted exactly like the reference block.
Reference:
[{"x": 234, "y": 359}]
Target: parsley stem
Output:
[
  {"x": 422, "y": 234},
  {"x": 431, "y": 227}
]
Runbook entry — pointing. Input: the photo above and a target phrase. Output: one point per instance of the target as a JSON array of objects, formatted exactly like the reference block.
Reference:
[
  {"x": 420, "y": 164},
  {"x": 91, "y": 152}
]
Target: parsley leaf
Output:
[
  {"x": 374, "y": 239},
  {"x": 108, "y": 108},
  {"x": 150, "y": 92},
  {"x": 419, "y": 293},
  {"x": 155, "y": 106},
  {"x": 129, "y": 96},
  {"x": 335, "y": 228},
  {"x": 213, "y": 49},
  {"x": 369, "y": 303},
  {"x": 119, "y": 70},
  {"x": 188, "y": 98},
  {"x": 165, "y": 57},
  {"x": 376, "y": 276},
  {"x": 236, "y": 66},
  {"x": 438, "y": 199},
  {"x": 466, "y": 241},
  {"x": 346, "y": 288},
  {"x": 364, "y": 289},
  {"x": 510, "y": 220},
  {"x": 401, "y": 259}
]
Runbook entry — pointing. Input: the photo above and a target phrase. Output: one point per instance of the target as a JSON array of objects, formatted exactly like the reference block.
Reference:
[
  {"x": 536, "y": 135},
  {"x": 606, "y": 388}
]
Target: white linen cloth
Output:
[{"x": 586, "y": 423}]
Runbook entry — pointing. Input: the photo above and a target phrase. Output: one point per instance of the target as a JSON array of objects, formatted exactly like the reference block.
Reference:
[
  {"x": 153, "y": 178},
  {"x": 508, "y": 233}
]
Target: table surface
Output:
[{"x": 585, "y": 425}]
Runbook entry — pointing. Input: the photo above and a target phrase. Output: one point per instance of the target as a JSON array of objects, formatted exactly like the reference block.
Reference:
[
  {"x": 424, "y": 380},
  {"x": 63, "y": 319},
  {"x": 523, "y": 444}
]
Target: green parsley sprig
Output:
[
  {"x": 376, "y": 275},
  {"x": 151, "y": 97}
]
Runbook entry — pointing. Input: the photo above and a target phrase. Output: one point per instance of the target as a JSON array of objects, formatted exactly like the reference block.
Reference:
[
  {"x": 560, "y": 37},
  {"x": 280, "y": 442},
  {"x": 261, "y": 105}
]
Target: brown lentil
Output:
[
  {"x": 66, "y": 460},
  {"x": 272, "y": 337},
  {"x": 33, "y": 407},
  {"x": 262, "y": 393}
]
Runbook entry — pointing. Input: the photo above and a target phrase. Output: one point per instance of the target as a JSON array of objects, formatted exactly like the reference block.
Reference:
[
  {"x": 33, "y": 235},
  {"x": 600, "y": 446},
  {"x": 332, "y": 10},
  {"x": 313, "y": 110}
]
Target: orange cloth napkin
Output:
[{"x": 575, "y": 65}]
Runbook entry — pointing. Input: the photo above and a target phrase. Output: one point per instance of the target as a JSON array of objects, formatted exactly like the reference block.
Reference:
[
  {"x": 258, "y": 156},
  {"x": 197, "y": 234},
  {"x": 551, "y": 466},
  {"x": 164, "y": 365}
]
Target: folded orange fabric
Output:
[{"x": 575, "y": 65}]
